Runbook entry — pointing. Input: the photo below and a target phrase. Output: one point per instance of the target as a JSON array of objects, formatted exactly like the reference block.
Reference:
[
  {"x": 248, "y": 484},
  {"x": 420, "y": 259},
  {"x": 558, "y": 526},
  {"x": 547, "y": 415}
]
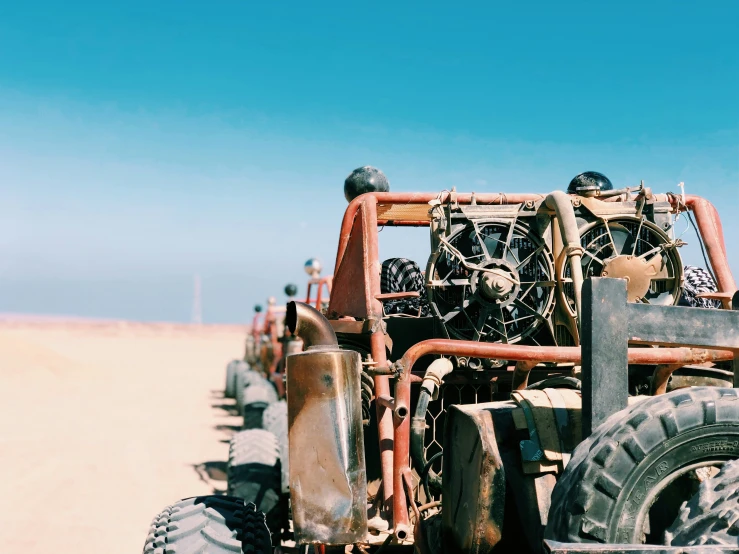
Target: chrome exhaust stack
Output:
[{"x": 328, "y": 478}]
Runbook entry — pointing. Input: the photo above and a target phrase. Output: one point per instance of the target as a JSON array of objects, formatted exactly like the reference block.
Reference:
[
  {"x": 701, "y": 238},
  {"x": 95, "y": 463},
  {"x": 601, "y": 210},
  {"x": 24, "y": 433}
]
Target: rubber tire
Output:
[
  {"x": 254, "y": 473},
  {"x": 711, "y": 517},
  {"x": 245, "y": 377},
  {"x": 274, "y": 420},
  {"x": 256, "y": 397},
  {"x": 230, "y": 390},
  {"x": 633, "y": 452},
  {"x": 209, "y": 525}
]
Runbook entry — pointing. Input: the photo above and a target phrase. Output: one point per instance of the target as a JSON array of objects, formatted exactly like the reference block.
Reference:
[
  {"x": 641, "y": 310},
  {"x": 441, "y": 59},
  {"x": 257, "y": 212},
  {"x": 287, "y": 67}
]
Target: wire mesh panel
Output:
[{"x": 449, "y": 395}]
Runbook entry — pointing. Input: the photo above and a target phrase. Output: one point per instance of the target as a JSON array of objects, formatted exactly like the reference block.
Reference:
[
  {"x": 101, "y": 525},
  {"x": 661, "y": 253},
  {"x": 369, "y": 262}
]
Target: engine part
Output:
[
  {"x": 491, "y": 281},
  {"x": 474, "y": 485},
  {"x": 435, "y": 374},
  {"x": 328, "y": 481},
  {"x": 633, "y": 249}
]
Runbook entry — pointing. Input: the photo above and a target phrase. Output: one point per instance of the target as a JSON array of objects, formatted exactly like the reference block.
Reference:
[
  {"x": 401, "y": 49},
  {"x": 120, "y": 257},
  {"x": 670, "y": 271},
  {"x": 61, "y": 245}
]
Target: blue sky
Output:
[{"x": 142, "y": 143}]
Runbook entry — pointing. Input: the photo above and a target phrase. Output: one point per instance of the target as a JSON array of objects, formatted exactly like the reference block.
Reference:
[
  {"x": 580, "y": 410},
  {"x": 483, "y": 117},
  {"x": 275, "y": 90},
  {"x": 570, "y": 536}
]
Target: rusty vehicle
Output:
[
  {"x": 265, "y": 346},
  {"x": 258, "y": 455},
  {"x": 465, "y": 415}
]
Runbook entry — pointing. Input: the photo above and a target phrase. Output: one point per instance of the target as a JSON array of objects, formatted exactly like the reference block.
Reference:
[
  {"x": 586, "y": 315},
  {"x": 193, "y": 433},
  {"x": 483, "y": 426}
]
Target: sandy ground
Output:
[{"x": 102, "y": 424}]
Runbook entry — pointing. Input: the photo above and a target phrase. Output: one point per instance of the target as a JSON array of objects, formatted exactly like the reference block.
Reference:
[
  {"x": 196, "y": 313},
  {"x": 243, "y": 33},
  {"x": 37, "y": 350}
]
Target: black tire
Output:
[
  {"x": 209, "y": 525},
  {"x": 274, "y": 420},
  {"x": 615, "y": 476},
  {"x": 256, "y": 397},
  {"x": 712, "y": 515},
  {"x": 231, "y": 368},
  {"x": 245, "y": 377},
  {"x": 254, "y": 474}
]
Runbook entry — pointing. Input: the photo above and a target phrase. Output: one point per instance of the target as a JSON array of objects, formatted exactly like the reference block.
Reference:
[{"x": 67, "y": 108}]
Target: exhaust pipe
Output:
[
  {"x": 309, "y": 324},
  {"x": 328, "y": 479}
]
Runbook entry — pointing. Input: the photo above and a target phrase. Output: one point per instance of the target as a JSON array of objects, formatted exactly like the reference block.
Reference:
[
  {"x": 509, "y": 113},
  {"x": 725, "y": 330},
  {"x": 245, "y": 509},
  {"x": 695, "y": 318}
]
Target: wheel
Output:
[
  {"x": 712, "y": 515},
  {"x": 625, "y": 483},
  {"x": 245, "y": 377},
  {"x": 254, "y": 473},
  {"x": 209, "y": 525},
  {"x": 274, "y": 420},
  {"x": 231, "y": 368},
  {"x": 256, "y": 397}
]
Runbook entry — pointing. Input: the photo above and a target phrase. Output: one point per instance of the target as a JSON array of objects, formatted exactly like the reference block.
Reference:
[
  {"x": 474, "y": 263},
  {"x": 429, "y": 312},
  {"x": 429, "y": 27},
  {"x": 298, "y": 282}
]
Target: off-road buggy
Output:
[{"x": 477, "y": 373}]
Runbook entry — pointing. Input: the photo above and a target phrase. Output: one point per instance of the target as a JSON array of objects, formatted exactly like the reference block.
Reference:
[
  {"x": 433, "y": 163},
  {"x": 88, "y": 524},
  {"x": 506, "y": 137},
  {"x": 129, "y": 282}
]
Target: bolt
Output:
[
  {"x": 604, "y": 273},
  {"x": 498, "y": 284}
]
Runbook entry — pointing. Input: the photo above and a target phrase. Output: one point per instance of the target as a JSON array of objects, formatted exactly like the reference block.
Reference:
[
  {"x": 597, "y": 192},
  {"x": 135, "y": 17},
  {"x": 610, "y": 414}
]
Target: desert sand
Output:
[{"x": 102, "y": 424}]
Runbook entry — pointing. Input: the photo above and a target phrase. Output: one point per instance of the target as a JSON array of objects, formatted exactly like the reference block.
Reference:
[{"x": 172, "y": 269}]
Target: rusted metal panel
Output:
[
  {"x": 473, "y": 497},
  {"x": 352, "y": 294},
  {"x": 685, "y": 326},
  {"x": 605, "y": 350}
]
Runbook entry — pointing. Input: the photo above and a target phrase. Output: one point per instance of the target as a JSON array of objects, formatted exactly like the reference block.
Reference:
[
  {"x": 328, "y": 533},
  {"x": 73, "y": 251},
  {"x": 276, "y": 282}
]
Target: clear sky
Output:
[{"x": 144, "y": 142}]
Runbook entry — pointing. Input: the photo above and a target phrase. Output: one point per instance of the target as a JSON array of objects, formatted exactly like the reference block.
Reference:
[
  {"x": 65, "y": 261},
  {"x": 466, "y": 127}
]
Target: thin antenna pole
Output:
[{"x": 197, "y": 306}]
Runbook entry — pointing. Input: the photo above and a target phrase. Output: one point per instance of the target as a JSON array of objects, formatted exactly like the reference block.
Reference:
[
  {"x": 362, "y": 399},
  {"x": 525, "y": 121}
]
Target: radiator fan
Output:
[
  {"x": 633, "y": 249},
  {"x": 491, "y": 281}
]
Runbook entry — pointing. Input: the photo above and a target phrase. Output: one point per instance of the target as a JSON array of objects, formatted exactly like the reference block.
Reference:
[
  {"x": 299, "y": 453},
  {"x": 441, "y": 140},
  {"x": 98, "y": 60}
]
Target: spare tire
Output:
[
  {"x": 209, "y": 525},
  {"x": 712, "y": 515},
  {"x": 618, "y": 480}
]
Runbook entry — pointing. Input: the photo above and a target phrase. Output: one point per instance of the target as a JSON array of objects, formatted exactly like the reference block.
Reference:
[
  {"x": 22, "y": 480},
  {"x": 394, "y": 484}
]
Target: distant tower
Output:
[{"x": 197, "y": 306}]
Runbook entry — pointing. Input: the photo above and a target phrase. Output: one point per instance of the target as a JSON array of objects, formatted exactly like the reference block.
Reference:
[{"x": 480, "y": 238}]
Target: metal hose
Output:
[
  {"x": 418, "y": 432},
  {"x": 561, "y": 203}
]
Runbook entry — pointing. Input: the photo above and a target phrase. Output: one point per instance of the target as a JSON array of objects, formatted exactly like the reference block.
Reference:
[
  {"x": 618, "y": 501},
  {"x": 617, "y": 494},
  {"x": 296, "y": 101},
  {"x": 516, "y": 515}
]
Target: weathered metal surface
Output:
[
  {"x": 473, "y": 497},
  {"x": 553, "y": 547},
  {"x": 698, "y": 327},
  {"x": 604, "y": 351},
  {"x": 610, "y": 322},
  {"x": 353, "y": 292},
  {"x": 328, "y": 481}
]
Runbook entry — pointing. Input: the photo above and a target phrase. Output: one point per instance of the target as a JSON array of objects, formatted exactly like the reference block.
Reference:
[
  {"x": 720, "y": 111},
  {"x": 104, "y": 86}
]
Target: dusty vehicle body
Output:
[
  {"x": 268, "y": 343},
  {"x": 498, "y": 325}
]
